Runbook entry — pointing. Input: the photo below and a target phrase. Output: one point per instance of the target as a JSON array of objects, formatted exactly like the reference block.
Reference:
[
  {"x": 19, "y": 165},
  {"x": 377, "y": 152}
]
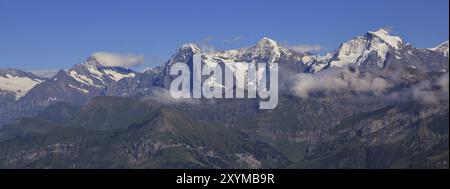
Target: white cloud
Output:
[
  {"x": 150, "y": 64},
  {"x": 118, "y": 60},
  {"x": 45, "y": 73},
  {"x": 431, "y": 91},
  {"x": 305, "y": 48},
  {"x": 389, "y": 29},
  {"x": 205, "y": 45},
  {"x": 335, "y": 80}
]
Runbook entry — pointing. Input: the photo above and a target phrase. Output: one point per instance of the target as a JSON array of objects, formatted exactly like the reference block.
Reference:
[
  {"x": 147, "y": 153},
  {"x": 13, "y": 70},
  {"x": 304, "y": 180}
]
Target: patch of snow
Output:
[
  {"x": 268, "y": 45},
  {"x": 195, "y": 49},
  {"x": 350, "y": 52},
  {"x": 442, "y": 49},
  {"x": 82, "y": 78},
  {"x": 116, "y": 76},
  {"x": 381, "y": 49},
  {"x": 393, "y": 41},
  {"x": 308, "y": 59},
  {"x": 317, "y": 62},
  {"x": 95, "y": 73},
  {"x": 17, "y": 85},
  {"x": 80, "y": 89},
  {"x": 318, "y": 67},
  {"x": 439, "y": 46},
  {"x": 229, "y": 53},
  {"x": 360, "y": 48},
  {"x": 209, "y": 60}
]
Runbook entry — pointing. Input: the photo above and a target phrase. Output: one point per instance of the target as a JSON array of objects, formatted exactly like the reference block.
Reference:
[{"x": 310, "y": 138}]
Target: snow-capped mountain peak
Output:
[
  {"x": 394, "y": 41},
  {"x": 267, "y": 50},
  {"x": 442, "y": 45},
  {"x": 16, "y": 82},
  {"x": 185, "y": 52},
  {"x": 267, "y": 45},
  {"x": 92, "y": 73},
  {"x": 267, "y": 42},
  {"x": 442, "y": 48},
  {"x": 190, "y": 47},
  {"x": 91, "y": 61},
  {"x": 360, "y": 49}
]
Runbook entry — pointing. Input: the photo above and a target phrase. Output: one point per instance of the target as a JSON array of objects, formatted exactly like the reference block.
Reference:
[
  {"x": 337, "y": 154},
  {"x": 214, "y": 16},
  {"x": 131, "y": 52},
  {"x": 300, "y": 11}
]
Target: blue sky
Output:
[{"x": 52, "y": 34}]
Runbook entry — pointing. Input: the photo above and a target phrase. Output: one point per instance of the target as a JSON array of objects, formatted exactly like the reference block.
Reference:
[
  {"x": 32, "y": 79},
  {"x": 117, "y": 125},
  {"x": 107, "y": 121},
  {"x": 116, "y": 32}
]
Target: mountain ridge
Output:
[{"x": 84, "y": 81}]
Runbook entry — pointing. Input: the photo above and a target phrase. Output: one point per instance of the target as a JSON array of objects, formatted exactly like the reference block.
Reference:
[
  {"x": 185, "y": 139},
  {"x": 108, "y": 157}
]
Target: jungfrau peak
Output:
[
  {"x": 360, "y": 49},
  {"x": 394, "y": 41}
]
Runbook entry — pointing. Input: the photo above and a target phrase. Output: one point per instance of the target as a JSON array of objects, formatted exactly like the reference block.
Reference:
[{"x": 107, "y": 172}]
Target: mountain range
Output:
[{"x": 374, "y": 102}]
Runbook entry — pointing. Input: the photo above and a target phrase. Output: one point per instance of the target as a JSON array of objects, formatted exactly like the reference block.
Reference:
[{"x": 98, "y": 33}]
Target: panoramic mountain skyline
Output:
[
  {"x": 135, "y": 62},
  {"x": 374, "y": 103},
  {"x": 49, "y": 35},
  {"x": 287, "y": 84},
  {"x": 114, "y": 67}
]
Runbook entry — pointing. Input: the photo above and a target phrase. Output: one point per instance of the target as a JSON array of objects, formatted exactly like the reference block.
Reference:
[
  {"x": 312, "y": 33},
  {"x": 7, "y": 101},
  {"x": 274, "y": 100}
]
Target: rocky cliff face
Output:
[{"x": 118, "y": 132}]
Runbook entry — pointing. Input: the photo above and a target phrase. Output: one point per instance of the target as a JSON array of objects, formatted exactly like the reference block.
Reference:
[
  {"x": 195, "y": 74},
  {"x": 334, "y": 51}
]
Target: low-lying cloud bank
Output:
[
  {"x": 337, "y": 80},
  {"x": 45, "y": 73},
  {"x": 432, "y": 91},
  {"x": 118, "y": 60},
  {"x": 341, "y": 80},
  {"x": 305, "y": 48}
]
